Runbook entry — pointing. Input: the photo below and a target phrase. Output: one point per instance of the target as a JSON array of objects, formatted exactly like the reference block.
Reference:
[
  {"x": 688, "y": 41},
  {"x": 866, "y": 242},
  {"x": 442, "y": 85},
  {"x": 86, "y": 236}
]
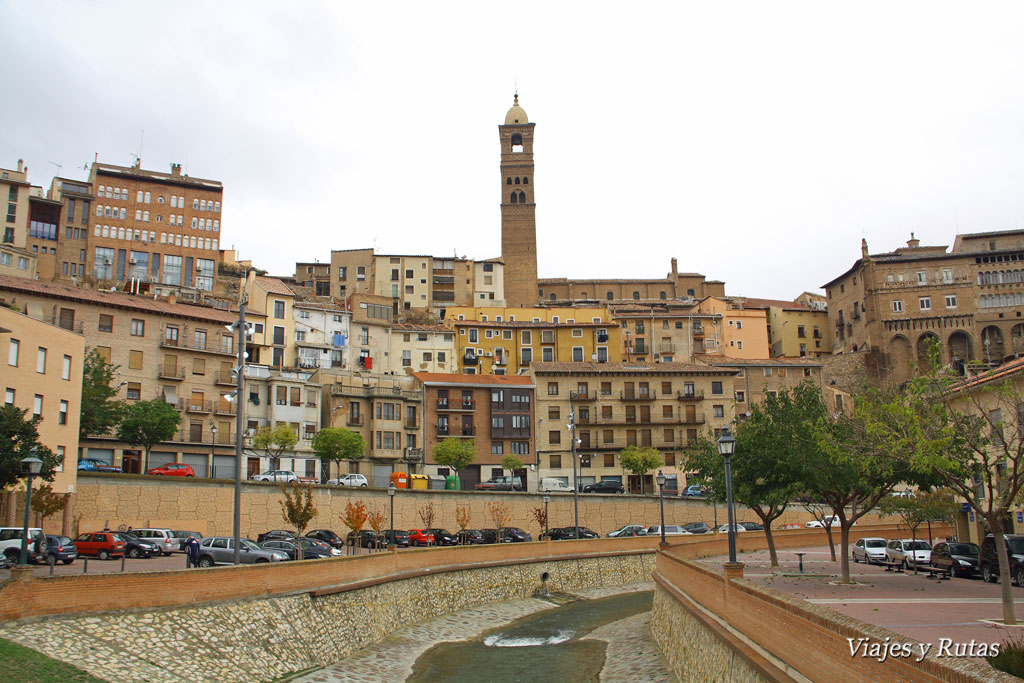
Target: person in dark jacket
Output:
[{"x": 192, "y": 552}]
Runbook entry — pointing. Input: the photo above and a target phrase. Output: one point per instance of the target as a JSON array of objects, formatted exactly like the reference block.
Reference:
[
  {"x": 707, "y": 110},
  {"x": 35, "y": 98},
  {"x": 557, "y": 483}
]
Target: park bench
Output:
[
  {"x": 941, "y": 572},
  {"x": 893, "y": 566}
]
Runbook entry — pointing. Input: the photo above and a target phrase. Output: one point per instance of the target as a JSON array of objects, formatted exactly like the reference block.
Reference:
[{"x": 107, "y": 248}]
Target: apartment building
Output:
[
  {"x": 416, "y": 284},
  {"x": 322, "y": 331},
  {"x": 675, "y": 285},
  {"x": 42, "y": 373},
  {"x": 369, "y": 347},
  {"x": 496, "y": 412},
  {"x": 755, "y": 379},
  {"x": 270, "y": 309},
  {"x": 161, "y": 348},
  {"x": 316, "y": 276},
  {"x": 737, "y": 331},
  {"x": 387, "y": 412},
  {"x": 70, "y": 243},
  {"x": 795, "y": 329},
  {"x": 290, "y": 397},
  {"x": 663, "y": 331},
  {"x": 154, "y": 229},
  {"x": 419, "y": 347},
  {"x": 15, "y": 258},
  {"x": 968, "y": 299},
  {"x": 659, "y": 405}
]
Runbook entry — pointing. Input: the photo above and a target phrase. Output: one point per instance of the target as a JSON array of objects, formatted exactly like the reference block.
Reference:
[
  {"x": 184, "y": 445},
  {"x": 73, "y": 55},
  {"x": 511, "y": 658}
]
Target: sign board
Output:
[{"x": 971, "y": 515}]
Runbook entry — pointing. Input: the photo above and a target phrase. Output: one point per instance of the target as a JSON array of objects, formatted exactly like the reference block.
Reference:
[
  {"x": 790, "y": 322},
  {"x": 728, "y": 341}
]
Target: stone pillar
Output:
[
  {"x": 733, "y": 570},
  {"x": 22, "y": 572},
  {"x": 68, "y": 516},
  {"x": 10, "y": 508}
]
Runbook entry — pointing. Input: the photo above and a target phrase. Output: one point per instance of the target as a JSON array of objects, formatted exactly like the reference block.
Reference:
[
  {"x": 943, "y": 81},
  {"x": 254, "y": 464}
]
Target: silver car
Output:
[
  {"x": 221, "y": 550},
  {"x": 908, "y": 552},
  {"x": 869, "y": 550}
]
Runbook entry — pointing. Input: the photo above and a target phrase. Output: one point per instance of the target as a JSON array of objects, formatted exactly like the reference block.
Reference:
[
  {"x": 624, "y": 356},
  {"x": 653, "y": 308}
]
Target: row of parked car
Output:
[
  {"x": 958, "y": 558},
  {"x": 104, "y": 545}
]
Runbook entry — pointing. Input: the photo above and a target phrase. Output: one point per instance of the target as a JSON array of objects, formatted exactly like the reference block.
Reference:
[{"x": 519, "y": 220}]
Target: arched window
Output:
[
  {"x": 522, "y": 197},
  {"x": 661, "y": 295},
  {"x": 636, "y": 295},
  {"x": 517, "y": 143},
  {"x": 552, "y": 297},
  {"x": 515, "y": 198},
  {"x": 526, "y": 181},
  {"x": 517, "y": 180},
  {"x": 508, "y": 181}
]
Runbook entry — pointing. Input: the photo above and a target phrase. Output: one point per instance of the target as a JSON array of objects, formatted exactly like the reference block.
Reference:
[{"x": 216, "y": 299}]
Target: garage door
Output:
[
  {"x": 381, "y": 476},
  {"x": 198, "y": 462},
  {"x": 104, "y": 454},
  {"x": 224, "y": 467},
  {"x": 161, "y": 458}
]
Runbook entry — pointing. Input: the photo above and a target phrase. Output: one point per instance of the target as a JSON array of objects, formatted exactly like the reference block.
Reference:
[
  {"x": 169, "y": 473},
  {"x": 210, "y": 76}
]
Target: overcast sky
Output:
[{"x": 758, "y": 143}]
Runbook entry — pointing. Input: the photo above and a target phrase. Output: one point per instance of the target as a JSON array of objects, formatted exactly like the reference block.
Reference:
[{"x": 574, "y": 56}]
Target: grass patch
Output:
[
  {"x": 19, "y": 663},
  {"x": 1010, "y": 658}
]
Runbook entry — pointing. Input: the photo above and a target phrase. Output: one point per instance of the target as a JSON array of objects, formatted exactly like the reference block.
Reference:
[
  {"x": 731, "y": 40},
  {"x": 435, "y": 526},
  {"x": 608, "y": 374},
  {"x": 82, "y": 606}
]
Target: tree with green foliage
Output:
[
  {"x": 298, "y": 510},
  {"x": 275, "y": 441},
  {"x": 640, "y": 461},
  {"x": 46, "y": 502},
  {"x": 771, "y": 444},
  {"x": 967, "y": 432},
  {"x": 334, "y": 444},
  {"x": 147, "y": 423},
  {"x": 456, "y": 454},
  {"x": 910, "y": 512},
  {"x": 512, "y": 463},
  {"x": 19, "y": 439},
  {"x": 100, "y": 412}
]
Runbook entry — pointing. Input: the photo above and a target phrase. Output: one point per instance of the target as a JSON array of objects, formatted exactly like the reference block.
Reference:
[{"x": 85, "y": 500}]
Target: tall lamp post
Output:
[
  {"x": 213, "y": 446},
  {"x": 575, "y": 479},
  {"x": 547, "y": 499},
  {"x": 726, "y": 447},
  {"x": 30, "y": 467},
  {"x": 661, "y": 501},
  {"x": 391, "y": 532}
]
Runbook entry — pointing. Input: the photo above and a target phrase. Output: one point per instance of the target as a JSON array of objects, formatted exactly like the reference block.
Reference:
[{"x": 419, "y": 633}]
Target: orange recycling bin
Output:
[{"x": 400, "y": 480}]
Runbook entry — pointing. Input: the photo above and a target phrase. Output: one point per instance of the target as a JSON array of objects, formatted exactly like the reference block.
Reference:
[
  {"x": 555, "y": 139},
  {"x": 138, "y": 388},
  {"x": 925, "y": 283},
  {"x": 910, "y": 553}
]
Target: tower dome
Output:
[{"x": 516, "y": 114}]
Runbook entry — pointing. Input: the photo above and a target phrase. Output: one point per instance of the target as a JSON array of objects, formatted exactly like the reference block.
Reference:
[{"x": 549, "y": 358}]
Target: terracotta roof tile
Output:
[
  {"x": 619, "y": 368},
  {"x": 454, "y": 378},
  {"x": 273, "y": 285},
  {"x": 421, "y": 327}
]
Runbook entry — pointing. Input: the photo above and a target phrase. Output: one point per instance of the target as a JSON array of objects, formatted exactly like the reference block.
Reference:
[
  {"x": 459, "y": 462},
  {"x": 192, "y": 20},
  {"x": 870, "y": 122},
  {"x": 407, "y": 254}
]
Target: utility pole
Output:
[
  {"x": 575, "y": 478},
  {"x": 239, "y": 419}
]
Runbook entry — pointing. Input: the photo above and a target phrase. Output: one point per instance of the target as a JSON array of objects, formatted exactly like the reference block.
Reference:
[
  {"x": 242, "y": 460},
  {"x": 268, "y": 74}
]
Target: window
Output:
[
  {"x": 925, "y": 302},
  {"x": 555, "y": 436},
  {"x": 716, "y": 387},
  {"x": 951, "y": 301},
  {"x": 741, "y": 397},
  {"x": 65, "y": 371},
  {"x": 41, "y": 360},
  {"x": 200, "y": 336},
  {"x": 138, "y": 328},
  {"x": 12, "y": 353},
  {"x": 278, "y": 309},
  {"x": 606, "y": 388},
  {"x": 135, "y": 360},
  {"x": 526, "y": 356},
  {"x": 554, "y": 413},
  {"x": 577, "y": 354},
  {"x": 497, "y": 447},
  {"x": 552, "y": 388},
  {"x": 947, "y": 276},
  {"x": 922, "y": 277},
  {"x": 897, "y": 306},
  {"x": 527, "y": 337},
  {"x": 106, "y": 323},
  {"x": 521, "y": 447},
  {"x": 718, "y": 411},
  {"x": 37, "y": 405},
  {"x": 406, "y": 358},
  {"x": 9, "y": 397},
  {"x": 198, "y": 366},
  {"x": 62, "y": 416},
  {"x": 670, "y": 435}
]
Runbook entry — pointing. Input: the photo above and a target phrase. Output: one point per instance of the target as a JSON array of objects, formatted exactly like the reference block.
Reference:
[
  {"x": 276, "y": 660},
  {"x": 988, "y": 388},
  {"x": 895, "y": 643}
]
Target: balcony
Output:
[
  {"x": 192, "y": 345},
  {"x": 468, "y": 430},
  {"x": 411, "y": 424},
  {"x": 374, "y": 392},
  {"x": 225, "y": 378},
  {"x": 667, "y": 347},
  {"x": 470, "y": 360},
  {"x": 698, "y": 330},
  {"x": 689, "y": 395},
  {"x": 71, "y": 326},
  {"x": 201, "y": 407},
  {"x": 225, "y": 408},
  {"x": 697, "y": 419},
  {"x": 170, "y": 372},
  {"x": 355, "y": 421},
  {"x": 414, "y": 454},
  {"x": 582, "y": 396},
  {"x": 631, "y": 396},
  {"x": 442, "y": 431}
]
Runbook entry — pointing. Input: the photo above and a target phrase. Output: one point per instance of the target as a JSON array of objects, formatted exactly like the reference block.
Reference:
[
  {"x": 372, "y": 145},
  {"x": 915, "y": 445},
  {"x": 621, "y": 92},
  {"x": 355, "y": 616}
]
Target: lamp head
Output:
[
  {"x": 31, "y": 465},
  {"x": 391, "y": 489},
  {"x": 726, "y": 443},
  {"x": 661, "y": 478},
  {"x": 547, "y": 499}
]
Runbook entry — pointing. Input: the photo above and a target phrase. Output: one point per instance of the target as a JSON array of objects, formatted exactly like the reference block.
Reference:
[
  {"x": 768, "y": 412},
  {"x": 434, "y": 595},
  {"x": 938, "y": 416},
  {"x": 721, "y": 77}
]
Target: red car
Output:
[
  {"x": 102, "y": 544},
  {"x": 174, "y": 469},
  {"x": 420, "y": 537}
]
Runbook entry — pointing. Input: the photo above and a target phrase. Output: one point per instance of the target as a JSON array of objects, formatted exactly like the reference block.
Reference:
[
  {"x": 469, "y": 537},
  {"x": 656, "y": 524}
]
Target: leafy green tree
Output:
[
  {"x": 334, "y": 444},
  {"x": 640, "y": 461},
  {"x": 512, "y": 463},
  {"x": 147, "y": 423},
  {"x": 275, "y": 441},
  {"x": 100, "y": 413},
  {"x": 456, "y": 454},
  {"x": 18, "y": 438},
  {"x": 771, "y": 445},
  {"x": 298, "y": 510},
  {"x": 909, "y": 510},
  {"x": 46, "y": 503}
]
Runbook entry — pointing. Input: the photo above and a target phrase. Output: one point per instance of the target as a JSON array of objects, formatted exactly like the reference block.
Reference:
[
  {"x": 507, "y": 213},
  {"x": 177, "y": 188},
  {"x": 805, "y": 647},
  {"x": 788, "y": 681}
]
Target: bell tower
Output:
[{"x": 518, "y": 210}]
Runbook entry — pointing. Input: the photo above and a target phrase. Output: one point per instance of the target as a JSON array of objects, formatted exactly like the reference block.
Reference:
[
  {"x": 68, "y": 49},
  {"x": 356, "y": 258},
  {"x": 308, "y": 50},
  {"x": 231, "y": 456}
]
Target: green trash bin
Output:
[{"x": 451, "y": 483}]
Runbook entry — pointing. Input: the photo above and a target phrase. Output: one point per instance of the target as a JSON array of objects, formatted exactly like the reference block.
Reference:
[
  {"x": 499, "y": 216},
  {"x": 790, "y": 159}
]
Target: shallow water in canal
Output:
[{"x": 541, "y": 647}]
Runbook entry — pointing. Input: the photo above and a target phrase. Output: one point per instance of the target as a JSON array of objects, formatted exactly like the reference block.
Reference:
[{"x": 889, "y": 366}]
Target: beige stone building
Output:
[
  {"x": 757, "y": 378},
  {"x": 417, "y": 347},
  {"x": 290, "y": 397},
  {"x": 969, "y": 299},
  {"x": 660, "y": 405},
  {"x": 72, "y": 237},
  {"x": 270, "y": 310},
  {"x": 669, "y": 331},
  {"x": 42, "y": 373},
  {"x": 675, "y": 285},
  {"x": 736, "y": 331},
  {"x": 322, "y": 332},
  {"x": 795, "y": 329},
  {"x": 15, "y": 258}
]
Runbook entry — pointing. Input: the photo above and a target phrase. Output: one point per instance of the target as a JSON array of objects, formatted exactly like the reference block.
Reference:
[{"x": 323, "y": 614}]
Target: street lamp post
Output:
[
  {"x": 726, "y": 447},
  {"x": 661, "y": 501},
  {"x": 30, "y": 467},
  {"x": 575, "y": 479},
  {"x": 242, "y": 329},
  {"x": 547, "y": 499},
  {"x": 213, "y": 446},
  {"x": 391, "y": 533}
]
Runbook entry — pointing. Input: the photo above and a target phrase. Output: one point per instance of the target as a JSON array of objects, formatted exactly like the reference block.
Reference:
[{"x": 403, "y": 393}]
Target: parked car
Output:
[
  {"x": 693, "y": 491},
  {"x": 310, "y": 550},
  {"x": 103, "y": 544},
  {"x": 365, "y": 538},
  {"x": 554, "y": 485},
  {"x": 286, "y": 476},
  {"x": 10, "y": 542},
  {"x": 869, "y": 550},
  {"x": 500, "y": 484},
  {"x": 960, "y": 559},
  {"x": 605, "y": 486},
  {"x": 752, "y": 526},
  {"x": 183, "y": 536},
  {"x": 421, "y": 537},
  {"x": 4, "y": 562},
  {"x": 136, "y": 547},
  {"x": 327, "y": 536},
  {"x": 398, "y": 537},
  {"x": 442, "y": 537},
  {"x": 828, "y": 520},
  {"x": 518, "y": 535},
  {"x": 221, "y": 550},
  {"x": 738, "y": 528},
  {"x": 166, "y": 539},
  {"x": 60, "y": 548},
  {"x": 629, "y": 530},
  {"x": 989, "y": 562},
  {"x": 469, "y": 537},
  {"x": 495, "y": 536},
  {"x": 276, "y": 535},
  {"x": 354, "y": 480},
  {"x": 697, "y": 527},
  {"x": 173, "y": 469},
  {"x": 96, "y": 465},
  {"x": 670, "y": 530},
  {"x": 567, "y": 532},
  {"x": 909, "y": 552}
]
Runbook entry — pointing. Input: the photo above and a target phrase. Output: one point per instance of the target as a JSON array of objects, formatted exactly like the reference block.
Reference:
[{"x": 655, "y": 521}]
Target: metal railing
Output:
[{"x": 170, "y": 372}]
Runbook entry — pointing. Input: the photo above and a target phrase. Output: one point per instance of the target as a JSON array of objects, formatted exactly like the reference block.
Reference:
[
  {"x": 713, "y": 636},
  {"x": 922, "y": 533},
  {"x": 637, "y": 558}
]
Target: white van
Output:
[
  {"x": 10, "y": 541},
  {"x": 552, "y": 484}
]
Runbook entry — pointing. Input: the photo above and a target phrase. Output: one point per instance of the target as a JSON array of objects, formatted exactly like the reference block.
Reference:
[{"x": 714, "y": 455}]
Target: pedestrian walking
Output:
[{"x": 192, "y": 552}]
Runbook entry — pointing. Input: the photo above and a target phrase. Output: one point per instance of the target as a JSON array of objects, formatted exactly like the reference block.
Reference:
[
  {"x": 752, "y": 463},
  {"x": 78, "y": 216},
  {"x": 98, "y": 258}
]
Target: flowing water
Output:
[{"x": 541, "y": 647}]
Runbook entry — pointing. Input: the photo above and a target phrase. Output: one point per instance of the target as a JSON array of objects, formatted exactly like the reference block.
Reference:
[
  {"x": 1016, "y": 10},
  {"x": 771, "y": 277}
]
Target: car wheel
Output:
[
  {"x": 190, "y": 475},
  {"x": 13, "y": 556},
  {"x": 133, "y": 553},
  {"x": 103, "y": 555},
  {"x": 262, "y": 560},
  {"x": 953, "y": 571},
  {"x": 1019, "y": 576},
  {"x": 67, "y": 561},
  {"x": 205, "y": 561},
  {"x": 988, "y": 575},
  {"x": 855, "y": 560},
  {"x": 363, "y": 485},
  {"x": 158, "y": 474},
  {"x": 906, "y": 565}
]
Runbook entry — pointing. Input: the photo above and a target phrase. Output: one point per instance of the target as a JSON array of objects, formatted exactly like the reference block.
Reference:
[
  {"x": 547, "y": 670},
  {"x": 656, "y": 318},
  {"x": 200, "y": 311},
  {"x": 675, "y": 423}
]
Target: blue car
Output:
[{"x": 95, "y": 465}]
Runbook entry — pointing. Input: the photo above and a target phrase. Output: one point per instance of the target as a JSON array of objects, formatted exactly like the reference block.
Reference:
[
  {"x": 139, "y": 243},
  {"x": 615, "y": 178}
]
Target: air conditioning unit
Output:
[
  {"x": 488, "y": 354},
  {"x": 106, "y": 261},
  {"x": 132, "y": 261}
]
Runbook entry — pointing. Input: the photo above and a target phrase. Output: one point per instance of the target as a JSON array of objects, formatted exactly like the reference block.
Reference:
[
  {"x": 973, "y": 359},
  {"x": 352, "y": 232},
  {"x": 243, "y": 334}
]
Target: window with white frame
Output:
[
  {"x": 951, "y": 301},
  {"x": 897, "y": 306},
  {"x": 925, "y": 303}
]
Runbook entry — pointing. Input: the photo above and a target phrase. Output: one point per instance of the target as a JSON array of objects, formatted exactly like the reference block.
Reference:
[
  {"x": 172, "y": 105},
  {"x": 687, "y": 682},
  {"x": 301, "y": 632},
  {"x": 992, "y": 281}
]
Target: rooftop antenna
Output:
[
  {"x": 142, "y": 137},
  {"x": 956, "y": 223},
  {"x": 59, "y": 166}
]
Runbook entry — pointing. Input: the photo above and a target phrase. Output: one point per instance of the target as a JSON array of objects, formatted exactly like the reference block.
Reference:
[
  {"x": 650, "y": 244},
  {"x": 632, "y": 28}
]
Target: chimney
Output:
[
  {"x": 172, "y": 298},
  {"x": 863, "y": 248},
  {"x": 176, "y": 170},
  {"x": 675, "y": 265},
  {"x": 138, "y": 162},
  {"x": 912, "y": 242},
  {"x": 21, "y": 165}
]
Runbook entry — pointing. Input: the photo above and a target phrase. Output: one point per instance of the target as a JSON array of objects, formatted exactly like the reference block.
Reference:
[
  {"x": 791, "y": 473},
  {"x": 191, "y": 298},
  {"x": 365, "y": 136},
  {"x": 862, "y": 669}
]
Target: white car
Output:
[
  {"x": 909, "y": 552},
  {"x": 349, "y": 480},
  {"x": 869, "y": 550},
  {"x": 287, "y": 476},
  {"x": 724, "y": 529},
  {"x": 670, "y": 530},
  {"x": 829, "y": 520}
]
